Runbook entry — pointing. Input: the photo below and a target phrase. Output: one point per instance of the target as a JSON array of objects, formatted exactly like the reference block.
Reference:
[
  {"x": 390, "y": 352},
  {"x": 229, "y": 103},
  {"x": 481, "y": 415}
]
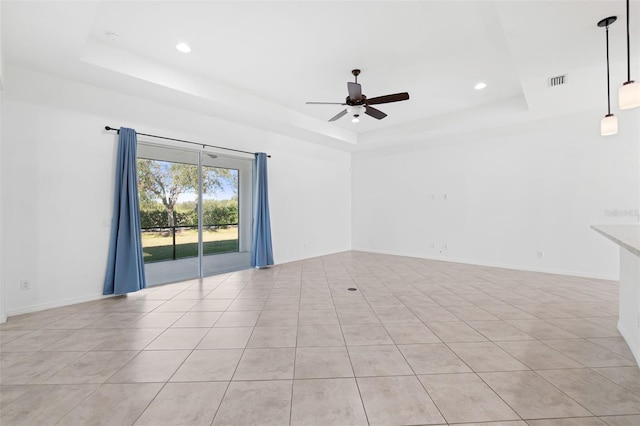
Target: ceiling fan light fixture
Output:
[
  {"x": 355, "y": 111},
  {"x": 357, "y": 103}
]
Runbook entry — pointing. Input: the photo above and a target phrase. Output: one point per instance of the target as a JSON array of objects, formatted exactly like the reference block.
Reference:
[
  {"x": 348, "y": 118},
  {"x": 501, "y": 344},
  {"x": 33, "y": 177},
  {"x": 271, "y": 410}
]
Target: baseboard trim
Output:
[
  {"x": 91, "y": 298},
  {"x": 57, "y": 304},
  {"x": 497, "y": 265},
  {"x": 313, "y": 256}
]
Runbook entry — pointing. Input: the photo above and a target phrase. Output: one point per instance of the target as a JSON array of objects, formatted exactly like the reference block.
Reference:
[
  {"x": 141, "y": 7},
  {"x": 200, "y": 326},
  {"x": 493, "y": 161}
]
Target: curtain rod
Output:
[{"x": 193, "y": 143}]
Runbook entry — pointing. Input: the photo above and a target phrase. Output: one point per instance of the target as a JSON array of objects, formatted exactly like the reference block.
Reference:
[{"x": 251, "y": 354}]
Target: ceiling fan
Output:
[{"x": 357, "y": 103}]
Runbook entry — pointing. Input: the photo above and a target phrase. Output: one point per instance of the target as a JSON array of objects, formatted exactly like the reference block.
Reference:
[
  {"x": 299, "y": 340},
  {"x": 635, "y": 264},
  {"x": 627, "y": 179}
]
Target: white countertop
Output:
[{"x": 627, "y": 236}]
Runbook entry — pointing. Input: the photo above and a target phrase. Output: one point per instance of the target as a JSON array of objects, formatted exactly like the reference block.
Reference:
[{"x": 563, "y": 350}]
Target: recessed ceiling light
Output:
[
  {"x": 480, "y": 86},
  {"x": 183, "y": 47}
]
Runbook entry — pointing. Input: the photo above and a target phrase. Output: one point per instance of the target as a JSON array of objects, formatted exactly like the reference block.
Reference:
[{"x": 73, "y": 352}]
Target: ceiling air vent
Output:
[{"x": 558, "y": 80}]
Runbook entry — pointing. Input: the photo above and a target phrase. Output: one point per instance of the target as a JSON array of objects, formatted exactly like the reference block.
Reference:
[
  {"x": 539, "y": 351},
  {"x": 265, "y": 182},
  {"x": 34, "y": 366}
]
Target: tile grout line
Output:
[
  {"x": 295, "y": 351},
  {"x": 355, "y": 379},
  {"x": 239, "y": 359},
  {"x": 181, "y": 364},
  {"x": 394, "y": 279}
]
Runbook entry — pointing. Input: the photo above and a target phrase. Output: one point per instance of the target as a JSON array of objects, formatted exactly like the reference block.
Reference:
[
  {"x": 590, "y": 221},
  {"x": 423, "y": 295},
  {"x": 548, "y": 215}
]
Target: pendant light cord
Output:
[
  {"x": 608, "y": 85},
  {"x": 628, "y": 47}
]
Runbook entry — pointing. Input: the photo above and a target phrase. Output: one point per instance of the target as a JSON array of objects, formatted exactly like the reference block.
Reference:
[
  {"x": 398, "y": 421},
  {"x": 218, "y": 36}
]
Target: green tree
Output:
[{"x": 165, "y": 181}]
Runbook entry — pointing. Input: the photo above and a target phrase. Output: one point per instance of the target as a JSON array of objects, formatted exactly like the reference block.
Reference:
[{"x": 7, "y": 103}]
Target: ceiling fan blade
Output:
[
  {"x": 325, "y": 103},
  {"x": 388, "y": 98},
  {"x": 355, "y": 91},
  {"x": 338, "y": 115},
  {"x": 375, "y": 113}
]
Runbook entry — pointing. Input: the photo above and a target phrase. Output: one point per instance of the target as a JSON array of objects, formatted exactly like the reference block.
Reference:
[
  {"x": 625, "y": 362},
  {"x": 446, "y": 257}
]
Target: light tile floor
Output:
[{"x": 419, "y": 342}]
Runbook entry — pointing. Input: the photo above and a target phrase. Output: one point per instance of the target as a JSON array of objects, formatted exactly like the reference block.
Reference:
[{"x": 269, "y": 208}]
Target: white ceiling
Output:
[{"x": 258, "y": 62}]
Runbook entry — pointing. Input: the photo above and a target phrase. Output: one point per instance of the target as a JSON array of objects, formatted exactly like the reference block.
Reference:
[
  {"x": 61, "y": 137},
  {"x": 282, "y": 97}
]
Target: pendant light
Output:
[
  {"x": 609, "y": 124},
  {"x": 629, "y": 93}
]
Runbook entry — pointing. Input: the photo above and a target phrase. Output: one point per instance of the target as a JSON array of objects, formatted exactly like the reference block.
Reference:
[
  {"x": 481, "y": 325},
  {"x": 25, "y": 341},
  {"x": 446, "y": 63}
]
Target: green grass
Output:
[{"x": 160, "y": 253}]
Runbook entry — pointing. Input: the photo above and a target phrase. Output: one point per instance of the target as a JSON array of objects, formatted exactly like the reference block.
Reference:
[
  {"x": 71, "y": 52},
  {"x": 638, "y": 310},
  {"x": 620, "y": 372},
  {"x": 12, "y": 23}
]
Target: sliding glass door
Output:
[
  {"x": 226, "y": 214},
  {"x": 195, "y": 210}
]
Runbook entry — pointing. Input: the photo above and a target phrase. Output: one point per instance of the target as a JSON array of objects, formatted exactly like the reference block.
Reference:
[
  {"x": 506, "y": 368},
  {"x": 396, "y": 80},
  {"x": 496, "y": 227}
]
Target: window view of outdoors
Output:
[{"x": 169, "y": 210}]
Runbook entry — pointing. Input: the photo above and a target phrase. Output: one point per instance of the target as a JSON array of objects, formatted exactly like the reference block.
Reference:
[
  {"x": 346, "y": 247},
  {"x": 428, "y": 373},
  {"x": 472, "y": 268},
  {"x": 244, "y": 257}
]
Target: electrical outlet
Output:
[{"x": 24, "y": 285}]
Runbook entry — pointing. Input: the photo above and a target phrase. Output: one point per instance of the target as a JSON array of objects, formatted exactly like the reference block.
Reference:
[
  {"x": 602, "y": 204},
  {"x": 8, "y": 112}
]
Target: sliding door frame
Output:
[{"x": 244, "y": 165}]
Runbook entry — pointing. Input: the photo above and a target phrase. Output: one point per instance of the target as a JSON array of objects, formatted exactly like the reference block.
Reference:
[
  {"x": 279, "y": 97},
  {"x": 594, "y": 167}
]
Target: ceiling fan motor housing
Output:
[{"x": 352, "y": 102}]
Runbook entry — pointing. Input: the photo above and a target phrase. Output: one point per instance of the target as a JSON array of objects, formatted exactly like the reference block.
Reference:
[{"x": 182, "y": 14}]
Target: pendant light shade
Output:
[
  {"x": 629, "y": 93},
  {"x": 609, "y": 124}
]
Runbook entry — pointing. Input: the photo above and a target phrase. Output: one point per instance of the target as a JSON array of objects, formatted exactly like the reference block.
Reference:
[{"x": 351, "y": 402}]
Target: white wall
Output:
[
  {"x": 3, "y": 311},
  {"x": 509, "y": 193},
  {"x": 57, "y": 166}
]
